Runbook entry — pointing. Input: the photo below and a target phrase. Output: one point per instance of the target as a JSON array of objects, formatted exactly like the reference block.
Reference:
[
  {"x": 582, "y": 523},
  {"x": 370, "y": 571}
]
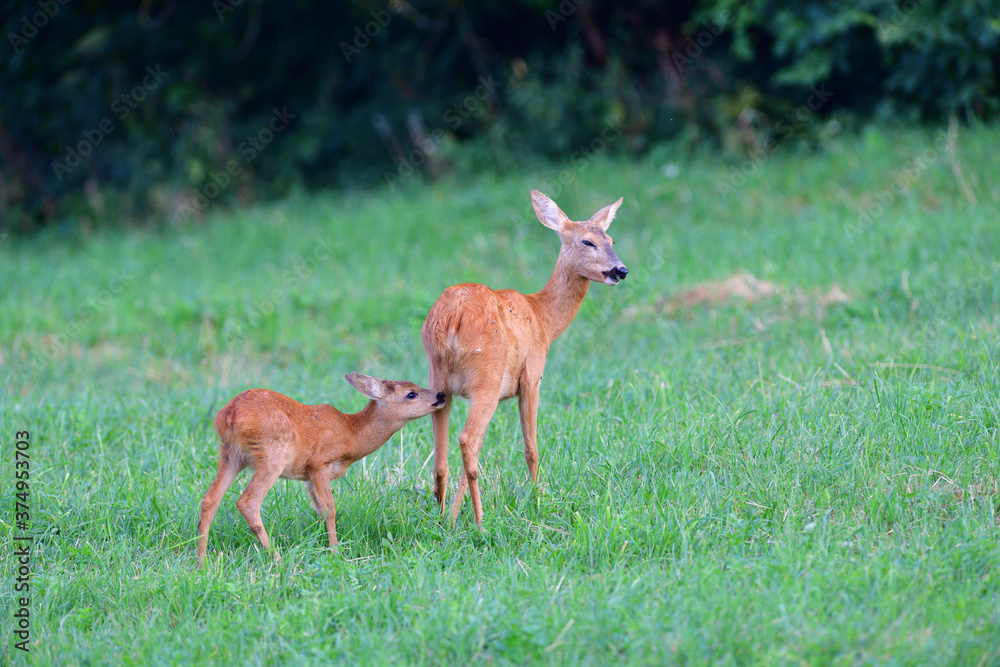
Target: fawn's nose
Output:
[
  {"x": 441, "y": 396},
  {"x": 622, "y": 272}
]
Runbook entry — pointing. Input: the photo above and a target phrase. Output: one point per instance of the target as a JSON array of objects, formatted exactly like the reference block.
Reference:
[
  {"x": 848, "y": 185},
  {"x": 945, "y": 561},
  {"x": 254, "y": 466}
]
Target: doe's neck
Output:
[{"x": 559, "y": 301}]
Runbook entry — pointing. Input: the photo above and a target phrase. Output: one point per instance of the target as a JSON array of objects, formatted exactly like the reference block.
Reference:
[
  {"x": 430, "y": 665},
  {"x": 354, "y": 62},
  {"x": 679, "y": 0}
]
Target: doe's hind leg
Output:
[{"x": 481, "y": 410}]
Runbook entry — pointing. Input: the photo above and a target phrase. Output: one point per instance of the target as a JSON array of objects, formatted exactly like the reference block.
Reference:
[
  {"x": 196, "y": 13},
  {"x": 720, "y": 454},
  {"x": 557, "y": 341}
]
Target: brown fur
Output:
[
  {"x": 280, "y": 437},
  {"x": 489, "y": 345}
]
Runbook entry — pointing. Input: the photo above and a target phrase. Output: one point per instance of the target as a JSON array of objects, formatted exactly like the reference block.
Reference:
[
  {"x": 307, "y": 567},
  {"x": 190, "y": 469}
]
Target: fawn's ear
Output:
[
  {"x": 372, "y": 388},
  {"x": 549, "y": 214},
  {"x": 604, "y": 217}
]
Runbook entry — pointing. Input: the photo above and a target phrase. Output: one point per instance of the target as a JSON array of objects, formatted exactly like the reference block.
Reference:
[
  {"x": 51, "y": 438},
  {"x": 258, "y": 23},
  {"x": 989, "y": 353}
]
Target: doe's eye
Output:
[
  {"x": 412, "y": 395},
  {"x": 588, "y": 243}
]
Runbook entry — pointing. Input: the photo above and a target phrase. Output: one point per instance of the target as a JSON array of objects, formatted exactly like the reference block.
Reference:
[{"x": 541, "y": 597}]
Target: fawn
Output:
[
  {"x": 489, "y": 345},
  {"x": 280, "y": 437}
]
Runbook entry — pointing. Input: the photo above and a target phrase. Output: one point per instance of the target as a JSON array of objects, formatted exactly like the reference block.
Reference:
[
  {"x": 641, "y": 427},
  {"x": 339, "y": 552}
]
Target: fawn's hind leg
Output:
[
  {"x": 251, "y": 498},
  {"x": 313, "y": 498},
  {"x": 228, "y": 469}
]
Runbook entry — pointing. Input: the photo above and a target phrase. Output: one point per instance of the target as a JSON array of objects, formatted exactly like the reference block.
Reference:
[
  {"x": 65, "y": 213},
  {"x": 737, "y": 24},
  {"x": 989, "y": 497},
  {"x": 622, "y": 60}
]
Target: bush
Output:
[{"x": 379, "y": 91}]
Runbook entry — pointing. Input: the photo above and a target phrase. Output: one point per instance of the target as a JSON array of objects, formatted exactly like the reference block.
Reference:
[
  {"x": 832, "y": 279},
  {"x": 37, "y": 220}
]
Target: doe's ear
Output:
[
  {"x": 370, "y": 387},
  {"x": 604, "y": 217},
  {"x": 549, "y": 214}
]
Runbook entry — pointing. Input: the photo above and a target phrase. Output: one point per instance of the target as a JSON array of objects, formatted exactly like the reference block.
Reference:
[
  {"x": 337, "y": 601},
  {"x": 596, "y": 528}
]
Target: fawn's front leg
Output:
[{"x": 319, "y": 484}]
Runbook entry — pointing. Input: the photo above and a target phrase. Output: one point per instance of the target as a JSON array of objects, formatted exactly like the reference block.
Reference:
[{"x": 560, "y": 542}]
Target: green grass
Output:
[{"x": 772, "y": 482}]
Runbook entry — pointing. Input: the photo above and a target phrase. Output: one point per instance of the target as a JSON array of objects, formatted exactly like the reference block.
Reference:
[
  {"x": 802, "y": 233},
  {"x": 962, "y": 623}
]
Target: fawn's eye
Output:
[
  {"x": 588, "y": 243},
  {"x": 412, "y": 395}
]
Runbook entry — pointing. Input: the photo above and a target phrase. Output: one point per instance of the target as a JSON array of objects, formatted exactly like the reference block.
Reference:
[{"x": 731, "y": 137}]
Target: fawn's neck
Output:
[
  {"x": 560, "y": 299},
  {"x": 372, "y": 429}
]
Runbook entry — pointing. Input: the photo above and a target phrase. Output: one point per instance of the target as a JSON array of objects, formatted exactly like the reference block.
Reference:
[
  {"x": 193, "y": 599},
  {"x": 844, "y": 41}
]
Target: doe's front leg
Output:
[
  {"x": 527, "y": 403},
  {"x": 439, "y": 422}
]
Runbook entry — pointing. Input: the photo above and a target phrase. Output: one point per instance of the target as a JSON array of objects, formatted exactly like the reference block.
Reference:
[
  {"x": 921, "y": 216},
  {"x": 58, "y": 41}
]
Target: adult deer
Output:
[
  {"x": 280, "y": 437},
  {"x": 489, "y": 345}
]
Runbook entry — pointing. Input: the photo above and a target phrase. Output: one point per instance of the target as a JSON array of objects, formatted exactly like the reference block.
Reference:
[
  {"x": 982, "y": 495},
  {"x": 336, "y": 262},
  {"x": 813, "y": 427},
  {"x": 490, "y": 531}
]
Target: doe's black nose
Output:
[
  {"x": 622, "y": 272},
  {"x": 441, "y": 396}
]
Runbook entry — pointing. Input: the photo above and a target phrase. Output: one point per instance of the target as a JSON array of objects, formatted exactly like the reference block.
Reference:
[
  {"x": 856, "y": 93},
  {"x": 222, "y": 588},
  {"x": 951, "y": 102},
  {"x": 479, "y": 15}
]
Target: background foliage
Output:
[{"x": 381, "y": 91}]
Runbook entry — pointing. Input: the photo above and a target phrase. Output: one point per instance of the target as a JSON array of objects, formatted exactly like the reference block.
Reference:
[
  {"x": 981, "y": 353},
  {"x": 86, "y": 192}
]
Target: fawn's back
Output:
[{"x": 262, "y": 426}]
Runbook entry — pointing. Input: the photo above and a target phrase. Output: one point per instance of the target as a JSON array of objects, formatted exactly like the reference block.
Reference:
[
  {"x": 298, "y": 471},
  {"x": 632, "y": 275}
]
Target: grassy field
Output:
[{"x": 807, "y": 477}]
